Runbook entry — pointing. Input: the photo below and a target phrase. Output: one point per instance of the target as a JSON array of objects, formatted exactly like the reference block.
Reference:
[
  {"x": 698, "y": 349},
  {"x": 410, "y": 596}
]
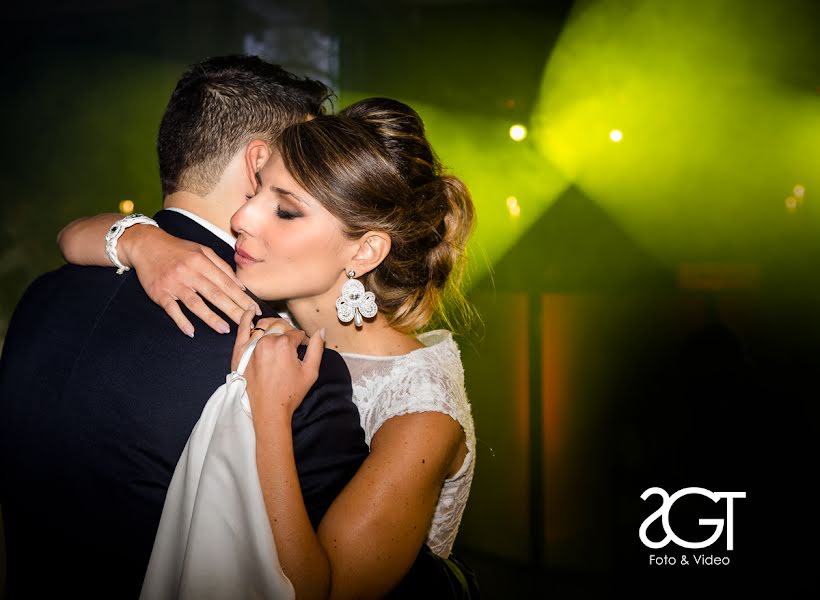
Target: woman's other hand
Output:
[
  {"x": 248, "y": 331},
  {"x": 277, "y": 379}
]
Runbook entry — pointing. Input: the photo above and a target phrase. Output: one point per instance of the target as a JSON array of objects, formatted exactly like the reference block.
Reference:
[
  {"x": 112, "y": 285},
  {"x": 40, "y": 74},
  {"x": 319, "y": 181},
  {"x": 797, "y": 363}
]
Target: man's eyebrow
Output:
[{"x": 284, "y": 192}]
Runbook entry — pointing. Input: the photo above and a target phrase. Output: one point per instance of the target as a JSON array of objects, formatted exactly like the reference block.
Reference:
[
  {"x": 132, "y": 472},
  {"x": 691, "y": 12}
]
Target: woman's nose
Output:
[{"x": 242, "y": 220}]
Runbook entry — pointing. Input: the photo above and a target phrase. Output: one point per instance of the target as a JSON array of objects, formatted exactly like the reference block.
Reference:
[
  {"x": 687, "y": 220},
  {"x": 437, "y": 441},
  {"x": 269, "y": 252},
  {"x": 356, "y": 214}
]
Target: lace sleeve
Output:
[
  {"x": 429, "y": 382},
  {"x": 430, "y": 379}
]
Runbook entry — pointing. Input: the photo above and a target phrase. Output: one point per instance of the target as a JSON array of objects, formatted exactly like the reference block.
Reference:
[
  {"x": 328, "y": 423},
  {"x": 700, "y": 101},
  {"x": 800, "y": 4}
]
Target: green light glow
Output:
[
  {"x": 478, "y": 150},
  {"x": 722, "y": 121}
]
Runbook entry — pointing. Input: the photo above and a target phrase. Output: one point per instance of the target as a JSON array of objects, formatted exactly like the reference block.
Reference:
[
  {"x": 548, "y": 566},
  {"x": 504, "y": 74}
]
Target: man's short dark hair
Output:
[{"x": 221, "y": 104}]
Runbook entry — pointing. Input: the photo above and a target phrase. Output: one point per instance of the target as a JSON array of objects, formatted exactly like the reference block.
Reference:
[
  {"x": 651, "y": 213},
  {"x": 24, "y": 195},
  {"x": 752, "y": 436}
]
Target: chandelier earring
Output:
[{"x": 355, "y": 302}]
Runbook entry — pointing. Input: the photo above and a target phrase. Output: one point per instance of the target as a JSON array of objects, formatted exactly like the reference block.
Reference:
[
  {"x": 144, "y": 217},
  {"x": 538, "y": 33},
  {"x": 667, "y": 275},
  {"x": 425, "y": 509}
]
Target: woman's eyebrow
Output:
[{"x": 284, "y": 192}]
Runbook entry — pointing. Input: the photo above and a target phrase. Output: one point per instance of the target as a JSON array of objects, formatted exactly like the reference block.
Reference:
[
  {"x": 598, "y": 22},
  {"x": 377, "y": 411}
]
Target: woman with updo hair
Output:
[
  {"x": 357, "y": 228},
  {"x": 373, "y": 169}
]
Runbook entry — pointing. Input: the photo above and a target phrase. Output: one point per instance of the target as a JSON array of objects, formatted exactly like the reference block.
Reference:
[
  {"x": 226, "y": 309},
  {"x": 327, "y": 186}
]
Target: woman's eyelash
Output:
[{"x": 283, "y": 214}]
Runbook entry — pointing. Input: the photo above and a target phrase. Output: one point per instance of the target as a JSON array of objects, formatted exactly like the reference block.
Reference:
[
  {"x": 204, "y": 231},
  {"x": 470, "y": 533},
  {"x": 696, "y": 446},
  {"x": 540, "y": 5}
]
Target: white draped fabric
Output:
[{"x": 214, "y": 539}]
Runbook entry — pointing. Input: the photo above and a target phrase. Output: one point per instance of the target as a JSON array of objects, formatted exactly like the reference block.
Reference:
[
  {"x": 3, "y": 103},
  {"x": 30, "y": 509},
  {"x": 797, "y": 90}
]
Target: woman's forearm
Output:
[
  {"x": 301, "y": 555},
  {"x": 82, "y": 242},
  {"x": 374, "y": 529}
]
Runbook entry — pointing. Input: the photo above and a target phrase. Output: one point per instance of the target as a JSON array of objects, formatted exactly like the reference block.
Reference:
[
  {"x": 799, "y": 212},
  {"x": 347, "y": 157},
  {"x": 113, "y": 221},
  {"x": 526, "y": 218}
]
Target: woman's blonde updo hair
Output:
[{"x": 372, "y": 167}]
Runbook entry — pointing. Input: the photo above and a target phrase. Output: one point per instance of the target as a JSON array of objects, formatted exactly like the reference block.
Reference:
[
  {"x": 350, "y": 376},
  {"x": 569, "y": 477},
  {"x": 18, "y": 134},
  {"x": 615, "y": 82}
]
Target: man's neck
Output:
[{"x": 205, "y": 208}]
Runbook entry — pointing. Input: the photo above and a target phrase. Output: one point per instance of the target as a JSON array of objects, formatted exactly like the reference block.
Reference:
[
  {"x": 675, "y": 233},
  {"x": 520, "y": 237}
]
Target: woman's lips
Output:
[{"x": 243, "y": 259}]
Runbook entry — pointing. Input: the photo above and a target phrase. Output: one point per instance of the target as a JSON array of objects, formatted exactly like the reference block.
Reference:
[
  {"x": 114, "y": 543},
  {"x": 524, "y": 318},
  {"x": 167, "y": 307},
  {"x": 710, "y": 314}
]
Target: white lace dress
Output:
[{"x": 424, "y": 380}]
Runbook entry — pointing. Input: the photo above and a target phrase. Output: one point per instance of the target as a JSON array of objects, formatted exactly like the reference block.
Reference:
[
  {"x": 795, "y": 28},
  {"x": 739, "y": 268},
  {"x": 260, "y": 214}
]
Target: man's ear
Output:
[
  {"x": 257, "y": 152},
  {"x": 372, "y": 249}
]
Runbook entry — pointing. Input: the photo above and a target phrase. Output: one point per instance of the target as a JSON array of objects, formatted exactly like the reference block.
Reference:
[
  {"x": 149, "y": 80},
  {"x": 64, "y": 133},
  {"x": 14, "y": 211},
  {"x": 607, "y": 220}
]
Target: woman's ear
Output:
[
  {"x": 373, "y": 248},
  {"x": 257, "y": 153}
]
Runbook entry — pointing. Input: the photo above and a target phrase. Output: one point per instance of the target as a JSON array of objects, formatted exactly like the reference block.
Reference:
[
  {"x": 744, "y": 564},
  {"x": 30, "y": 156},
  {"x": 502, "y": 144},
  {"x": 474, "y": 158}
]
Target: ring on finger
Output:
[{"x": 258, "y": 329}]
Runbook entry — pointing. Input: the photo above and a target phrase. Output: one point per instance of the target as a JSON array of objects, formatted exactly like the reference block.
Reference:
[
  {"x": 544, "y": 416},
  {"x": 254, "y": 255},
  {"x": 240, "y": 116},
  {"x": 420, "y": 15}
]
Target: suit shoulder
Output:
[
  {"x": 70, "y": 275},
  {"x": 41, "y": 289},
  {"x": 331, "y": 393},
  {"x": 41, "y": 283},
  {"x": 333, "y": 362},
  {"x": 332, "y": 368}
]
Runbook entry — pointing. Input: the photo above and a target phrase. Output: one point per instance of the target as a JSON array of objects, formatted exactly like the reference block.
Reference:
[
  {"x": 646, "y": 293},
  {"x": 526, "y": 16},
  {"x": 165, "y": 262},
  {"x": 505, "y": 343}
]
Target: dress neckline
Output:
[{"x": 430, "y": 339}]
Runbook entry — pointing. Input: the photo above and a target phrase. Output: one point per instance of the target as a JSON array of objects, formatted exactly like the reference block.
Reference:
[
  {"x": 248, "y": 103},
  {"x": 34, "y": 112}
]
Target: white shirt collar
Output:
[{"x": 220, "y": 233}]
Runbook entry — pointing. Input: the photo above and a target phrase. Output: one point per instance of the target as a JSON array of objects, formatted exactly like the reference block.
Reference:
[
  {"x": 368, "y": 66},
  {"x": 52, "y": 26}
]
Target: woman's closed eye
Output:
[{"x": 286, "y": 214}]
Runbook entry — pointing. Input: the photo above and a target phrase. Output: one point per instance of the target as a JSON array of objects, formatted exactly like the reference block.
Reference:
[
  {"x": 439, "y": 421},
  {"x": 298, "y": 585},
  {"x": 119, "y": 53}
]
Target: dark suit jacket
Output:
[{"x": 99, "y": 392}]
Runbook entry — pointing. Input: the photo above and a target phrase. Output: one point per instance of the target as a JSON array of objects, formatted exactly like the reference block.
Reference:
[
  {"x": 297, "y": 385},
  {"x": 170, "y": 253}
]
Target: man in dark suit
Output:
[{"x": 99, "y": 391}]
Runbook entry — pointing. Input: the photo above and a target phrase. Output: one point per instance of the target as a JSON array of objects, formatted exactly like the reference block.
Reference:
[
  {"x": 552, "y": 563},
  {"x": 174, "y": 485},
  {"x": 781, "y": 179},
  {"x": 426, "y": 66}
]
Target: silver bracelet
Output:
[{"x": 113, "y": 236}]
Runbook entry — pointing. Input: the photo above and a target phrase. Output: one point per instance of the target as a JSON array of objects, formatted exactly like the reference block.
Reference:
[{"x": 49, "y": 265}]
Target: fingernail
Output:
[
  {"x": 258, "y": 310},
  {"x": 188, "y": 330},
  {"x": 223, "y": 328},
  {"x": 322, "y": 333}
]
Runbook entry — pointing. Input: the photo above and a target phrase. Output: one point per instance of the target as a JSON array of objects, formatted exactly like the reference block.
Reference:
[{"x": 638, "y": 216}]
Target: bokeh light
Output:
[
  {"x": 126, "y": 207},
  {"x": 518, "y": 132},
  {"x": 513, "y": 206}
]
